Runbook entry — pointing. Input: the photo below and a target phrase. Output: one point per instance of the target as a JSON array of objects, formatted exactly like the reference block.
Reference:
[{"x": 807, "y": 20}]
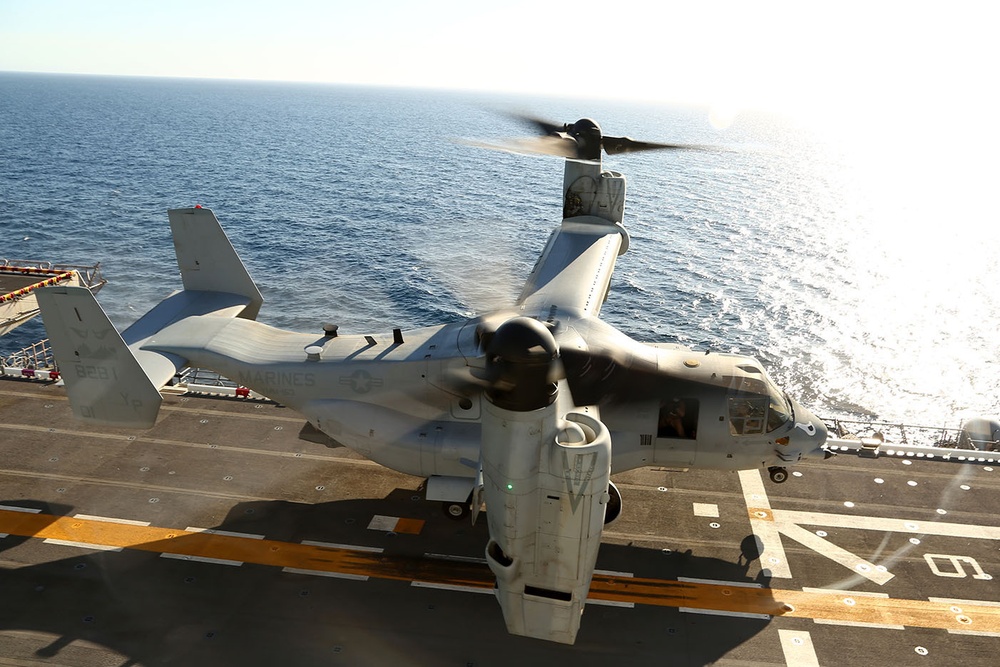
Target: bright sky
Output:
[{"x": 805, "y": 57}]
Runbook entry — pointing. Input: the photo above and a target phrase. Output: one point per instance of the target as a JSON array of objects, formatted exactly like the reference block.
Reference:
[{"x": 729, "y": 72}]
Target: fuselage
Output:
[{"x": 413, "y": 400}]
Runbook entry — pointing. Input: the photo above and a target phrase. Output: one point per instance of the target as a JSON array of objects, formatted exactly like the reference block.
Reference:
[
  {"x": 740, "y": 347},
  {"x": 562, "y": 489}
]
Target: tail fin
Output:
[
  {"x": 104, "y": 381},
  {"x": 112, "y": 378},
  {"x": 207, "y": 260}
]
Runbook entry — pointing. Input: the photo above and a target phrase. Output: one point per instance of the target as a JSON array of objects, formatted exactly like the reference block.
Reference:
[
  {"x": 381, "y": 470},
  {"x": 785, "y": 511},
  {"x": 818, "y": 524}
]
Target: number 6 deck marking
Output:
[{"x": 956, "y": 564}]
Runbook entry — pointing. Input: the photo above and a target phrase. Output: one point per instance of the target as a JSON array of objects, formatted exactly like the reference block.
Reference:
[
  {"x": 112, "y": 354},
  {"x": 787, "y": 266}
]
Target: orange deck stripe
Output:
[
  {"x": 714, "y": 597},
  {"x": 409, "y": 526}
]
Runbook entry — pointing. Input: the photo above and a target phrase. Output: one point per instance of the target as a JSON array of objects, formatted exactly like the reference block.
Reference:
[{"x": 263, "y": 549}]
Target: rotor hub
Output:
[
  {"x": 519, "y": 359},
  {"x": 587, "y": 134}
]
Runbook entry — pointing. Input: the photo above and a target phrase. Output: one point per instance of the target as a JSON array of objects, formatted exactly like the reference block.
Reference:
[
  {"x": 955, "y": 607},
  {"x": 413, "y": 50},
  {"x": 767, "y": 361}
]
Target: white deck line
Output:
[
  {"x": 15, "y": 508},
  {"x": 82, "y": 545},
  {"x": 798, "y": 648},
  {"x": 719, "y": 612},
  {"x": 325, "y": 573},
  {"x": 451, "y": 587},
  {"x": 611, "y": 603},
  {"x": 227, "y": 533},
  {"x": 611, "y": 573},
  {"x": 975, "y": 633},
  {"x": 202, "y": 559},
  {"x": 764, "y": 529},
  {"x": 887, "y": 525},
  {"x": 849, "y": 594},
  {"x": 720, "y": 582},
  {"x": 811, "y": 540},
  {"x": 109, "y": 519},
  {"x": 957, "y": 601},
  {"x": 348, "y": 547},
  {"x": 859, "y": 624},
  {"x": 455, "y": 559}
]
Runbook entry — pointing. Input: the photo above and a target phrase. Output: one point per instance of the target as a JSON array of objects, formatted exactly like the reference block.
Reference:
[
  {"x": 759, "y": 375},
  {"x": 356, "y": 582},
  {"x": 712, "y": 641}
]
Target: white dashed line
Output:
[
  {"x": 858, "y": 624},
  {"x": 975, "y": 633},
  {"x": 834, "y": 591},
  {"x": 706, "y": 509},
  {"x": 612, "y": 573},
  {"x": 719, "y": 582},
  {"x": 349, "y": 547},
  {"x": 386, "y": 523},
  {"x": 203, "y": 559},
  {"x": 956, "y": 601},
  {"x": 456, "y": 559},
  {"x": 798, "y": 648},
  {"x": 82, "y": 545},
  {"x": 227, "y": 533},
  {"x": 451, "y": 587},
  {"x": 108, "y": 519},
  {"x": 15, "y": 508},
  {"x": 718, "y": 612},
  {"x": 611, "y": 603},
  {"x": 325, "y": 573}
]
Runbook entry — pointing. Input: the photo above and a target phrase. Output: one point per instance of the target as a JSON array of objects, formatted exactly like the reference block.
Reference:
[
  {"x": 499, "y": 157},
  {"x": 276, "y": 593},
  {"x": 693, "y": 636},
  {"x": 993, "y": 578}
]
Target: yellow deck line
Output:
[{"x": 971, "y": 616}]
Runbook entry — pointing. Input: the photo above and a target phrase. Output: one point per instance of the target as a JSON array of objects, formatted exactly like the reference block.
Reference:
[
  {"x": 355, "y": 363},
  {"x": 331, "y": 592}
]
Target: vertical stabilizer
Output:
[
  {"x": 104, "y": 381},
  {"x": 207, "y": 260}
]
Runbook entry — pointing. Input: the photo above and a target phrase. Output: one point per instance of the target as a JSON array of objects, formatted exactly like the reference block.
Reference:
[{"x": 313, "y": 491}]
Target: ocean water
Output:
[{"x": 865, "y": 278}]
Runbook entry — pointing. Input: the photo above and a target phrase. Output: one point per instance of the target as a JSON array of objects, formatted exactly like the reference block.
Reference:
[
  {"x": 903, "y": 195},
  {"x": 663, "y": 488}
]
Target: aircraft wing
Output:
[{"x": 573, "y": 274}]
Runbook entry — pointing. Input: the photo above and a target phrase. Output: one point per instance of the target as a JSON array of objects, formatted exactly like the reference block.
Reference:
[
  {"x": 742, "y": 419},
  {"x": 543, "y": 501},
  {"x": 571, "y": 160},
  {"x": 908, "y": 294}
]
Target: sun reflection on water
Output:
[{"x": 905, "y": 274}]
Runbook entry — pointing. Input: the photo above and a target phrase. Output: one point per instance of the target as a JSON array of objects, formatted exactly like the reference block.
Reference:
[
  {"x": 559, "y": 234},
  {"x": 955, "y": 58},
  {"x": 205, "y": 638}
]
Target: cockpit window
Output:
[
  {"x": 747, "y": 415},
  {"x": 756, "y": 406},
  {"x": 778, "y": 412}
]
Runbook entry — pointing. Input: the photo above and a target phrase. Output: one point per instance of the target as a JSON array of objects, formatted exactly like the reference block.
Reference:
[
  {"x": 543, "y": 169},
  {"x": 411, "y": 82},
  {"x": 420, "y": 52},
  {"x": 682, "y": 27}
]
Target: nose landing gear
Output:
[{"x": 778, "y": 474}]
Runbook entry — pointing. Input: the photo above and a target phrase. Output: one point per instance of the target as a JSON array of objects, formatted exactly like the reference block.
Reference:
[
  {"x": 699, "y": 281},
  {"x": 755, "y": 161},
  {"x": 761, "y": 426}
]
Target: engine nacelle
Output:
[{"x": 545, "y": 483}]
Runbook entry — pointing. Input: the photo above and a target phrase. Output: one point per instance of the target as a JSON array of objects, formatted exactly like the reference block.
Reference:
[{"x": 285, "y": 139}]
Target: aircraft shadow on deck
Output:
[{"x": 160, "y": 611}]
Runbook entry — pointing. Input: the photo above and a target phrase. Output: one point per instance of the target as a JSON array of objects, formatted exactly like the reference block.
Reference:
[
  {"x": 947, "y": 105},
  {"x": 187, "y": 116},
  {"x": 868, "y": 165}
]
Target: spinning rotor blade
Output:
[
  {"x": 524, "y": 363},
  {"x": 616, "y": 145},
  {"x": 543, "y": 126},
  {"x": 557, "y": 146},
  {"x": 598, "y": 376},
  {"x": 583, "y": 140}
]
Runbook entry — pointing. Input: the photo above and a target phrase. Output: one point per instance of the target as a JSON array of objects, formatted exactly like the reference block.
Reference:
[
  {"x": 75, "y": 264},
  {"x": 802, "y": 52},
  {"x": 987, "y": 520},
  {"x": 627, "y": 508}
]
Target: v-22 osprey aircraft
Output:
[{"x": 527, "y": 411}]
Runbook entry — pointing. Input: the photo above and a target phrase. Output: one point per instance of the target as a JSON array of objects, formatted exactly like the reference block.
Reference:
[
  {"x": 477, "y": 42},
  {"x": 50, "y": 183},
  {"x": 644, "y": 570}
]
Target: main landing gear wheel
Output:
[
  {"x": 778, "y": 475},
  {"x": 614, "y": 507},
  {"x": 456, "y": 511}
]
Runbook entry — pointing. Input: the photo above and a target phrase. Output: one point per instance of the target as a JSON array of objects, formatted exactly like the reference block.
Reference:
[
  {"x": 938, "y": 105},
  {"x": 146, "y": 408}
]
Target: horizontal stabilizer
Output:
[
  {"x": 104, "y": 381},
  {"x": 161, "y": 366}
]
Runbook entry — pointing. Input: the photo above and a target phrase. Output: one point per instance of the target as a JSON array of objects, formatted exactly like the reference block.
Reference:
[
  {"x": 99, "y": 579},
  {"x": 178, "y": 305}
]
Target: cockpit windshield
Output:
[{"x": 756, "y": 406}]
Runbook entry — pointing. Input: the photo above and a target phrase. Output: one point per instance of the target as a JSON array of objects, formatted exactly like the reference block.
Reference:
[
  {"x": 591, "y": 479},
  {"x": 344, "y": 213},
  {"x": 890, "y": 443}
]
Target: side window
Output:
[
  {"x": 747, "y": 415},
  {"x": 678, "y": 419}
]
